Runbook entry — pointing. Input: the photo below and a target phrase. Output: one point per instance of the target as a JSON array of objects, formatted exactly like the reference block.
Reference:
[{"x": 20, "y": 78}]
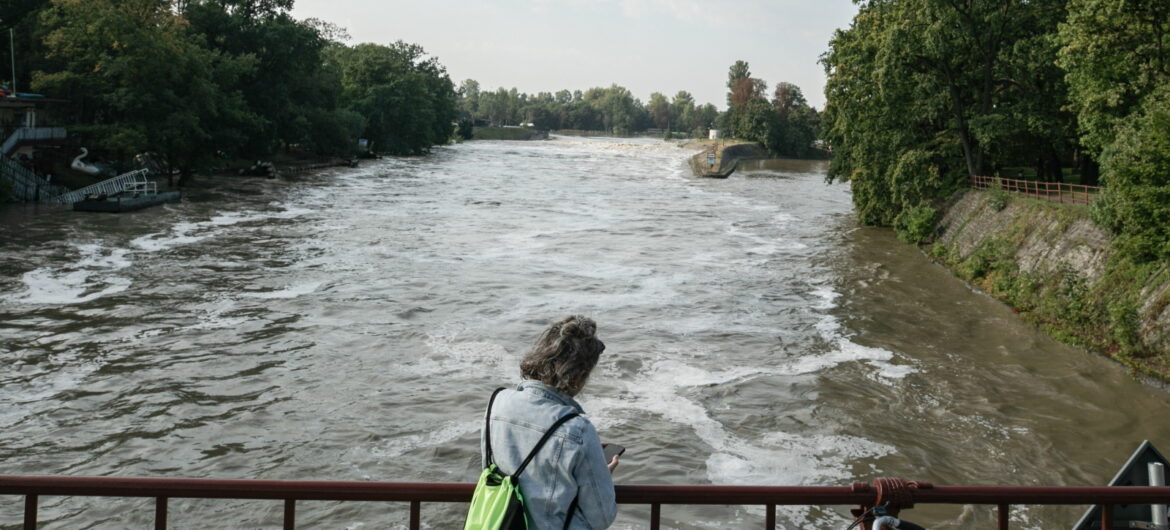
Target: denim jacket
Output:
[{"x": 571, "y": 463}]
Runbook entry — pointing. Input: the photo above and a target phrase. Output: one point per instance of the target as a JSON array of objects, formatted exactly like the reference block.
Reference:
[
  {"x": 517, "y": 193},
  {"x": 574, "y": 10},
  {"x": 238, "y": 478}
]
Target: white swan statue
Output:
[{"x": 84, "y": 167}]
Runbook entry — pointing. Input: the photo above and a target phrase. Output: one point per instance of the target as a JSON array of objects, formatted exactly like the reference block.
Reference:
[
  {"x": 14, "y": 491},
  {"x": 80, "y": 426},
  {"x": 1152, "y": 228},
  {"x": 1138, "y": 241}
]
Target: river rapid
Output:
[{"x": 350, "y": 325}]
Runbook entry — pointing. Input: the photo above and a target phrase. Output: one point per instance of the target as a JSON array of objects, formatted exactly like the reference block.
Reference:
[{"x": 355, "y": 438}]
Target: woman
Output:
[{"x": 571, "y": 464}]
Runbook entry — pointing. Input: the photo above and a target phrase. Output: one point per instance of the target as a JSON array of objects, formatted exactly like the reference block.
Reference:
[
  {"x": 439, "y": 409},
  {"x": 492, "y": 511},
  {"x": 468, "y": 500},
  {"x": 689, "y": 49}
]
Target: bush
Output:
[
  {"x": 997, "y": 198},
  {"x": 916, "y": 225}
]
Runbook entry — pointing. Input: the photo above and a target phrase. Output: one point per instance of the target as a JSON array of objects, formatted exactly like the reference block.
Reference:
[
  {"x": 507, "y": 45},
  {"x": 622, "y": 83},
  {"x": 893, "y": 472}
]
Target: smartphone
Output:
[{"x": 611, "y": 450}]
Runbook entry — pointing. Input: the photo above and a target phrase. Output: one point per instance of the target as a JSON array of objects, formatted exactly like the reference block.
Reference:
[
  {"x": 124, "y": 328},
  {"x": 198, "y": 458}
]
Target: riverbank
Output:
[{"x": 1057, "y": 269}]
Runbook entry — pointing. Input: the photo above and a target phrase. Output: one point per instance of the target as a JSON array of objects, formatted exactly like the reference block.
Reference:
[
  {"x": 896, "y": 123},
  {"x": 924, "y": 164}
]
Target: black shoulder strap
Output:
[
  {"x": 569, "y": 515},
  {"x": 487, "y": 427},
  {"x": 547, "y": 434}
]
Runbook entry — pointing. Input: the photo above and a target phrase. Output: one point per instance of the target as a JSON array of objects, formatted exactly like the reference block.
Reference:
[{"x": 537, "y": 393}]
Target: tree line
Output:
[
  {"x": 786, "y": 124},
  {"x": 613, "y": 110},
  {"x": 190, "y": 80},
  {"x": 924, "y": 94}
]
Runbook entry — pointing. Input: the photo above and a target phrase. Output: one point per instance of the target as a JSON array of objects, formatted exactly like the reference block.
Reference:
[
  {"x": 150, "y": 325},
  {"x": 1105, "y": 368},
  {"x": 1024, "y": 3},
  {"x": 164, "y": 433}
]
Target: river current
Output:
[{"x": 350, "y": 325}]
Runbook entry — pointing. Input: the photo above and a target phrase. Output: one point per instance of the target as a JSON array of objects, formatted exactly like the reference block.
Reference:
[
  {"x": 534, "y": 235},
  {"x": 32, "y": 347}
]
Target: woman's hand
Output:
[{"x": 613, "y": 462}]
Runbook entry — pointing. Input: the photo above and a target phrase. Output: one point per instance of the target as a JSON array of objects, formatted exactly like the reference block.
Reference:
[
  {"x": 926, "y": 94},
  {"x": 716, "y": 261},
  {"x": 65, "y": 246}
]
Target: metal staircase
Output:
[{"x": 132, "y": 181}]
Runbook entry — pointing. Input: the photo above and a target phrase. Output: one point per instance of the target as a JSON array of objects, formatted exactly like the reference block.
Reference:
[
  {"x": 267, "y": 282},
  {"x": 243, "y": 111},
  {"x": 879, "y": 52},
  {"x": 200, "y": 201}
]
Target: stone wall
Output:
[{"x": 1059, "y": 272}]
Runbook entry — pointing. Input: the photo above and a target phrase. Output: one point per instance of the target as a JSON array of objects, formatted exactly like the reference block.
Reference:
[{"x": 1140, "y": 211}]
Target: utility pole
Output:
[{"x": 12, "y": 48}]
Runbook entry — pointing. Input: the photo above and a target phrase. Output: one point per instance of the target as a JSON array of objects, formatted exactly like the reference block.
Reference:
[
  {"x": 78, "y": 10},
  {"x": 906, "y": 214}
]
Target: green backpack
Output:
[{"x": 497, "y": 503}]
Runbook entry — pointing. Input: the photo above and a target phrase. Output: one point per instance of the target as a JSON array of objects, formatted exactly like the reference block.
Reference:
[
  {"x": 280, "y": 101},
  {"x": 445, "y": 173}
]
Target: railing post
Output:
[
  {"x": 655, "y": 516},
  {"x": 770, "y": 518},
  {"x": 160, "y": 513},
  {"x": 290, "y": 514},
  {"x": 1106, "y": 516},
  {"x": 416, "y": 515},
  {"x": 30, "y": 512},
  {"x": 1002, "y": 516}
]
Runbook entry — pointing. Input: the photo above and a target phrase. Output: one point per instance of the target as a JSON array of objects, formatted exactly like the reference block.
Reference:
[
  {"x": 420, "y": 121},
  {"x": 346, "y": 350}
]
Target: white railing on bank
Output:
[
  {"x": 132, "y": 181},
  {"x": 30, "y": 134}
]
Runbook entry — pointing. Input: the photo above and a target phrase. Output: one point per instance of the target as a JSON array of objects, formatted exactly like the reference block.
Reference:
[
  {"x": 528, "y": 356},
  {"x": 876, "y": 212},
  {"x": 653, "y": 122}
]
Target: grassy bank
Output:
[{"x": 1058, "y": 270}]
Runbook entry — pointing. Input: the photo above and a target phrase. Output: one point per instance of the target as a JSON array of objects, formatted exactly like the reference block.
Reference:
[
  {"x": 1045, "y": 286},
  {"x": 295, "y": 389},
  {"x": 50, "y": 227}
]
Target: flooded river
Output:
[{"x": 350, "y": 325}]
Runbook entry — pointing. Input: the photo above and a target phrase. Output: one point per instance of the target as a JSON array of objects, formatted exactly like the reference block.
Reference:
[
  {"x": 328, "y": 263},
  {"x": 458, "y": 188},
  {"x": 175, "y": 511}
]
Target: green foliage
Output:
[
  {"x": 465, "y": 128},
  {"x": 923, "y": 93},
  {"x": 997, "y": 198},
  {"x": 1118, "y": 60},
  {"x": 1136, "y": 202},
  {"x": 140, "y": 79},
  {"x": 193, "y": 78},
  {"x": 989, "y": 259},
  {"x": 408, "y": 101},
  {"x": 917, "y": 224}
]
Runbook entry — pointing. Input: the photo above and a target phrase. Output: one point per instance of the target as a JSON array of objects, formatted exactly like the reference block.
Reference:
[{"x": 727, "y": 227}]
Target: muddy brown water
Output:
[{"x": 349, "y": 325}]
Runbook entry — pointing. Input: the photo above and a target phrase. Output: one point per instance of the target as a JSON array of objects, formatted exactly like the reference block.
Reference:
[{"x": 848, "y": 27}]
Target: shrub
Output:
[
  {"x": 916, "y": 225},
  {"x": 997, "y": 198}
]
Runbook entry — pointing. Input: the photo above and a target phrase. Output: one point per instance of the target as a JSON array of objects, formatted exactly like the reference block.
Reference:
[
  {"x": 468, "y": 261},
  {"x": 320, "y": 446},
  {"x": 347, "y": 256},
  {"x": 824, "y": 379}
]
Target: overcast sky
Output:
[{"x": 644, "y": 45}]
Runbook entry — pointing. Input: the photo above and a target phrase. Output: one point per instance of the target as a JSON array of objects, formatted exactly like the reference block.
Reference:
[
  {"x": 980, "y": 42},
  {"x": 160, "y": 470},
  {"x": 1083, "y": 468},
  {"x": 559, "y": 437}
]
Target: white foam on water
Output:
[
  {"x": 188, "y": 232},
  {"x": 87, "y": 279},
  {"x": 764, "y": 245},
  {"x": 212, "y": 316},
  {"x": 289, "y": 292},
  {"x": 90, "y": 277},
  {"x": 443, "y": 435},
  {"x": 452, "y": 356},
  {"x": 775, "y": 458},
  {"x": 845, "y": 350}
]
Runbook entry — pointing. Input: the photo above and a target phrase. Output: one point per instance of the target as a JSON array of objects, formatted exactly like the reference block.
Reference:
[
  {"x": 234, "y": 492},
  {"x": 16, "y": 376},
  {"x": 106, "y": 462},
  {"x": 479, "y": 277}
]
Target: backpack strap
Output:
[
  {"x": 572, "y": 507},
  {"x": 487, "y": 428}
]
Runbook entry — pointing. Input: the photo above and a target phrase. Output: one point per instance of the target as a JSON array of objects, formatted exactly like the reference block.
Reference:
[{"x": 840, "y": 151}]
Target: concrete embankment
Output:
[
  {"x": 507, "y": 133},
  {"x": 726, "y": 155},
  {"x": 1054, "y": 266}
]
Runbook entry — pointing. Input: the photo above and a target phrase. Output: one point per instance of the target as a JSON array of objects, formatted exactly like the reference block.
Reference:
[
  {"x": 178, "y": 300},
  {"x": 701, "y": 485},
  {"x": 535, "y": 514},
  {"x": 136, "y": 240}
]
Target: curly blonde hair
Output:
[{"x": 564, "y": 354}]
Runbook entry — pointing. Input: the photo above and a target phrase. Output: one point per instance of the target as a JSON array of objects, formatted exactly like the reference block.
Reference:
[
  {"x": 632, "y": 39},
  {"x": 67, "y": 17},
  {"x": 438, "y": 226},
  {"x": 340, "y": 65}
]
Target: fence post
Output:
[{"x": 30, "y": 512}]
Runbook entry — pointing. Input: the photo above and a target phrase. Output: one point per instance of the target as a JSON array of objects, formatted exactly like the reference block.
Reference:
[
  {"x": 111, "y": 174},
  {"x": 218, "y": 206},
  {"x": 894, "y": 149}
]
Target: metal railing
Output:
[
  {"x": 30, "y": 134},
  {"x": 27, "y": 185},
  {"x": 1053, "y": 191},
  {"x": 895, "y": 494},
  {"x": 126, "y": 181}
]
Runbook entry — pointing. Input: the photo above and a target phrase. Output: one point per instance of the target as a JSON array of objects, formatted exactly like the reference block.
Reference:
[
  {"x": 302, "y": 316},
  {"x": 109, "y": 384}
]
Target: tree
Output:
[
  {"x": 787, "y": 98},
  {"x": 469, "y": 96},
  {"x": 137, "y": 79},
  {"x": 747, "y": 89},
  {"x": 407, "y": 99},
  {"x": 1117, "y": 55},
  {"x": 682, "y": 108},
  {"x": 659, "y": 110},
  {"x": 735, "y": 74},
  {"x": 918, "y": 85},
  {"x": 755, "y": 121}
]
